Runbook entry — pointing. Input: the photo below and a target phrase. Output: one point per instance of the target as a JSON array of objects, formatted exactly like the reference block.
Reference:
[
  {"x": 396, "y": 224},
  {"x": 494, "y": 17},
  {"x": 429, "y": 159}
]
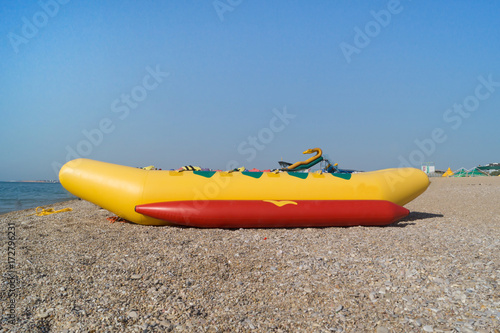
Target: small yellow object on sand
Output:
[{"x": 49, "y": 211}]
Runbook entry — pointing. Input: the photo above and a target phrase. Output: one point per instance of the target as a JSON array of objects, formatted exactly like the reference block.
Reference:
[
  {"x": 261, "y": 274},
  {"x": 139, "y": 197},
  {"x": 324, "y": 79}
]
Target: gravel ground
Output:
[{"x": 435, "y": 271}]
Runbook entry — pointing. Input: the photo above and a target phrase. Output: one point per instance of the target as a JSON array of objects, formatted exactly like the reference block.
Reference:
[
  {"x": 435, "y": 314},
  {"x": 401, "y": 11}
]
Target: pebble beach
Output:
[{"x": 436, "y": 270}]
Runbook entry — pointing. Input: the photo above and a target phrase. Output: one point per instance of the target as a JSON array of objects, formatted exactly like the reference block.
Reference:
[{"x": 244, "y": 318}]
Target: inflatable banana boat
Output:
[{"x": 218, "y": 199}]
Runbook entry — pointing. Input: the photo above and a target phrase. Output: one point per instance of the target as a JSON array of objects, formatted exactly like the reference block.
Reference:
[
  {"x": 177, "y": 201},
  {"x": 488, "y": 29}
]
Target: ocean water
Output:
[{"x": 21, "y": 195}]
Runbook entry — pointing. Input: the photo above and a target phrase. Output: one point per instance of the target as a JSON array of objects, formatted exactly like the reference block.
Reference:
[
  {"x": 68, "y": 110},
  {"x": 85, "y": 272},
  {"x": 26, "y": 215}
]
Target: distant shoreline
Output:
[{"x": 29, "y": 181}]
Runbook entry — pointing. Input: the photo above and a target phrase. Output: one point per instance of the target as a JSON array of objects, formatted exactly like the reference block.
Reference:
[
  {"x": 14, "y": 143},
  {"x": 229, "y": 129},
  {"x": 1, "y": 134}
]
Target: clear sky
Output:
[{"x": 375, "y": 84}]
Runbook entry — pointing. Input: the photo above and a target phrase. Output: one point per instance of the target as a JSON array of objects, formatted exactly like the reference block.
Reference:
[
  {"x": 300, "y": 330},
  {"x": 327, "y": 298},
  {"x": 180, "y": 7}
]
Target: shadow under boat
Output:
[{"x": 414, "y": 216}]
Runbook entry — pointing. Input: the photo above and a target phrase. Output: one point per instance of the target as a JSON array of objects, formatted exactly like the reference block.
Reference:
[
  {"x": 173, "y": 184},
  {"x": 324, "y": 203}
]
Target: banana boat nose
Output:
[
  {"x": 405, "y": 184},
  {"x": 112, "y": 187}
]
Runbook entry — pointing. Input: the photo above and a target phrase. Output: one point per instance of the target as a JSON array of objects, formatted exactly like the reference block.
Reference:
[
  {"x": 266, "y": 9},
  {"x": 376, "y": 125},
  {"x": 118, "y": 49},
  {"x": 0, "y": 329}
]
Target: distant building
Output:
[{"x": 428, "y": 167}]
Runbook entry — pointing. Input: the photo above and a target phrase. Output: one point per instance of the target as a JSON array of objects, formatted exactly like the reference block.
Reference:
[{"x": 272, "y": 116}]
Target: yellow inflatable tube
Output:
[{"x": 120, "y": 188}]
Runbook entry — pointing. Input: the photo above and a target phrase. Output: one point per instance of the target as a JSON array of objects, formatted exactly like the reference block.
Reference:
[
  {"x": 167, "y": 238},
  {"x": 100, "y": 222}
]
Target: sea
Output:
[{"x": 23, "y": 195}]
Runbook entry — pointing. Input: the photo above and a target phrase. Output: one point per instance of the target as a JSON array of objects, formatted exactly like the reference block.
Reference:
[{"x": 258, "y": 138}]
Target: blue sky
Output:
[{"x": 375, "y": 84}]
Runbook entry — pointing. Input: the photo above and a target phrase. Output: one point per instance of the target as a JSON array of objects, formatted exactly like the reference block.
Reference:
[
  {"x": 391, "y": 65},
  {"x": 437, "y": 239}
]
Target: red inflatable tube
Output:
[{"x": 275, "y": 214}]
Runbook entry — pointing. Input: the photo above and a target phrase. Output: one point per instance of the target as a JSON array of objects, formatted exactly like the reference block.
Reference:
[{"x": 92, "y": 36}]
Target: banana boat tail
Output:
[{"x": 120, "y": 189}]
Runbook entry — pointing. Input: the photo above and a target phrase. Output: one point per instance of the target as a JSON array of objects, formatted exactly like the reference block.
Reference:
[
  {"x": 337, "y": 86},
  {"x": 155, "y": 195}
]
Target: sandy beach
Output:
[{"x": 435, "y": 271}]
